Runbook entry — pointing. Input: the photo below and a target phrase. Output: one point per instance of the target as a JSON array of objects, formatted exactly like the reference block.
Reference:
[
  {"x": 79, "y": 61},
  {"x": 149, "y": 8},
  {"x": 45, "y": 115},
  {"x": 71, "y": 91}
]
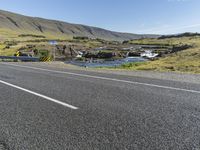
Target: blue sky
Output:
[{"x": 135, "y": 16}]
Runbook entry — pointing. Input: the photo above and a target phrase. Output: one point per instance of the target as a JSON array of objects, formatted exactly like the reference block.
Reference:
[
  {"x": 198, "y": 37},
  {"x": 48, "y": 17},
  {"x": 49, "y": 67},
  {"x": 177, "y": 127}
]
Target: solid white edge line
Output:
[
  {"x": 105, "y": 78},
  {"x": 39, "y": 95}
]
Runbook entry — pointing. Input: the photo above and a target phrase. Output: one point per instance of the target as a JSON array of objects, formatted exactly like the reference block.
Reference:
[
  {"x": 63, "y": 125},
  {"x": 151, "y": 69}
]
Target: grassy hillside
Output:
[
  {"x": 183, "y": 61},
  {"x": 31, "y": 25}
]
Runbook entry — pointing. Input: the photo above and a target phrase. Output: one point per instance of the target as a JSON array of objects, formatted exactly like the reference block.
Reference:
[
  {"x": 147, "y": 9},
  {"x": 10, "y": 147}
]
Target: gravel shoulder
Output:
[{"x": 172, "y": 76}]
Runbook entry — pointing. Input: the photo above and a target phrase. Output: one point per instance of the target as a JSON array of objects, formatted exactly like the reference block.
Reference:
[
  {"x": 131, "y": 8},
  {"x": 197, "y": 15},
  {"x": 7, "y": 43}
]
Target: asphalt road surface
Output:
[{"x": 56, "y": 109}]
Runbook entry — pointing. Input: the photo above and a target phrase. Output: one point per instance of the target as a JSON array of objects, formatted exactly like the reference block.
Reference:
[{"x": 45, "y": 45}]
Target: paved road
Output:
[{"x": 48, "y": 108}]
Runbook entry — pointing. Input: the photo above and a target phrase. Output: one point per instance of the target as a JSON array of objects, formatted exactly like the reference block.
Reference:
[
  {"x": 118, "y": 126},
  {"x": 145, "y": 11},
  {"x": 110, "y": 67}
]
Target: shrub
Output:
[
  {"x": 81, "y": 38},
  {"x": 31, "y": 35}
]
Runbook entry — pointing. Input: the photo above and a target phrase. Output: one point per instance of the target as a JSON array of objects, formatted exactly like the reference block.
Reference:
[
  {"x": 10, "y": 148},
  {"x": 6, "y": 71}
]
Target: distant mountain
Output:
[
  {"x": 187, "y": 34},
  {"x": 25, "y": 24}
]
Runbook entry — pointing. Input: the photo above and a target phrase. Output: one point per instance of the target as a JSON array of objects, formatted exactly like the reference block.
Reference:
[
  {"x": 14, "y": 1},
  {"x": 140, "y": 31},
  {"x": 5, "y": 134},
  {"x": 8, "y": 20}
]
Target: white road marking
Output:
[
  {"x": 39, "y": 95},
  {"x": 105, "y": 78}
]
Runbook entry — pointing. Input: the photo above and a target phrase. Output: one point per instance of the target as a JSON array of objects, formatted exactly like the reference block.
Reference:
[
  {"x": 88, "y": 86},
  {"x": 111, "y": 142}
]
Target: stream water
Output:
[{"x": 100, "y": 63}]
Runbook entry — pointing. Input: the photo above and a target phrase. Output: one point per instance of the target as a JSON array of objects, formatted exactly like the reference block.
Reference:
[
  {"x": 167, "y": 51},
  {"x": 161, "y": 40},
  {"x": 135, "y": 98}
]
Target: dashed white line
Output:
[
  {"x": 108, "y": 79},
  {"x": 39, "y": 95}
]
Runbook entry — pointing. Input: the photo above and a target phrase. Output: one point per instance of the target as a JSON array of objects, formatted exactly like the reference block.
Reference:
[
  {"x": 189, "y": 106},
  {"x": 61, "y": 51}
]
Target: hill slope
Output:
[{"x": 24, "y": 24}]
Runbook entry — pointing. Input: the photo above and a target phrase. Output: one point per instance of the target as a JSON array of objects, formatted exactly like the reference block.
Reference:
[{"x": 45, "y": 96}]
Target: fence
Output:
[{"x": 21, "y": 58}]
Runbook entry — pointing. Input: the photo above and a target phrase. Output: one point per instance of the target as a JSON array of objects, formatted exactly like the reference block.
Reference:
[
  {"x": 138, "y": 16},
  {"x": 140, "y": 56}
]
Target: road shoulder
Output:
[{"x": 171, "y": 76}]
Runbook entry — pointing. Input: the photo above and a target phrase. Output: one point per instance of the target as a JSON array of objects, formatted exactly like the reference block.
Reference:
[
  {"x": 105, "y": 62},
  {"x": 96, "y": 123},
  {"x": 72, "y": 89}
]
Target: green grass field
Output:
[
  {"x": 183, "y": 61},
  {"x": 40, "y": 41}
]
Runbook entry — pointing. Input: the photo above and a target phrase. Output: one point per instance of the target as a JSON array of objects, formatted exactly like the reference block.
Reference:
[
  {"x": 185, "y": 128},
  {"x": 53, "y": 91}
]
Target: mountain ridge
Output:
[{"x": 27, "y": 24}]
